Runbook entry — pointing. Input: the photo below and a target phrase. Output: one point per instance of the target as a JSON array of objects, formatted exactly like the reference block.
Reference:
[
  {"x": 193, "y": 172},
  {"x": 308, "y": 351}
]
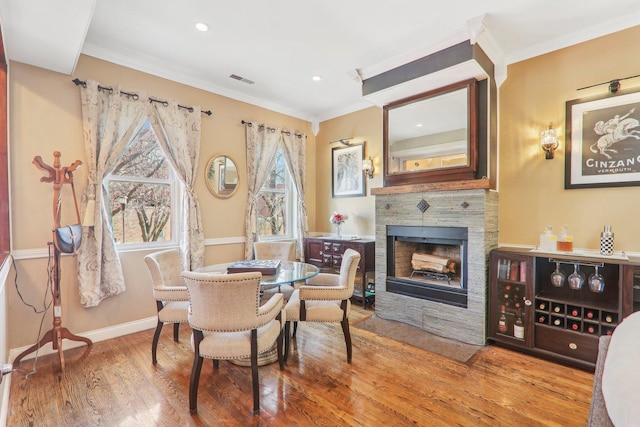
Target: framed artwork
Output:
[
  {"x": 602, "y": 147},
  {"x": 346, "y": 171}
]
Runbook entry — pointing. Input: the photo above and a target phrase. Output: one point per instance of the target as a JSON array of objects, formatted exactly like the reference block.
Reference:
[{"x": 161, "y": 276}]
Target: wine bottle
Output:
[
  {"x": 502, "y": 322},
  {"x": 542, "y": 306},
  {"x": 518, "y": 326}
]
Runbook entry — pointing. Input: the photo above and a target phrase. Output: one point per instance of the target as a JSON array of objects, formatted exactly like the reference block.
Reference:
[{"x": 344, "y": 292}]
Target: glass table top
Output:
[{"x": 288, "y": 272}]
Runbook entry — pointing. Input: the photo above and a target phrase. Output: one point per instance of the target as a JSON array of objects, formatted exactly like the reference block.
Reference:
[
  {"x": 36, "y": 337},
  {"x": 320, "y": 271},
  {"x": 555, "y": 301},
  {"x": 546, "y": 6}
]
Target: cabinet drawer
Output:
[{"x": 567, "y": 343}]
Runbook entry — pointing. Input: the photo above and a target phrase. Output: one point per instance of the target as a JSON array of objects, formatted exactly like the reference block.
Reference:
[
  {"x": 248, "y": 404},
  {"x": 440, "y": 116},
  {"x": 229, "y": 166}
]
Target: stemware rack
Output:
[{"x": 580, "y": 262}]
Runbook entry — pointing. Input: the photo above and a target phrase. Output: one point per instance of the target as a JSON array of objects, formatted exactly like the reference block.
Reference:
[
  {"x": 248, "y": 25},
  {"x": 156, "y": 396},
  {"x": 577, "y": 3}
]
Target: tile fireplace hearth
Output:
[{"x": 457, "y": 312}]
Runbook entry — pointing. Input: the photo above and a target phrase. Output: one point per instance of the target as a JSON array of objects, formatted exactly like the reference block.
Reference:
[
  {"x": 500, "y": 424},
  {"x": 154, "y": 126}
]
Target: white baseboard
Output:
[{"x": 95, "y": 336}]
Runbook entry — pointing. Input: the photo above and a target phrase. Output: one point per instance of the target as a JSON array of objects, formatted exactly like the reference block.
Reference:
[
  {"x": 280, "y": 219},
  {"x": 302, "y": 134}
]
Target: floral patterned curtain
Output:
[
  {"x": 262, "y": 144},
  {"x": 178, "y": 131},
  {"x": 110, "y": 121},
  {"x": 295, "y": 156}
]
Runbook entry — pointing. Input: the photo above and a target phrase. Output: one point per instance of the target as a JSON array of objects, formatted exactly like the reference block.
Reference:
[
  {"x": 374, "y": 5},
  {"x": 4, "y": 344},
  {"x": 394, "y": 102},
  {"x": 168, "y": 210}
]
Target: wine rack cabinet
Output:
[{"x": 557, "y": 322}]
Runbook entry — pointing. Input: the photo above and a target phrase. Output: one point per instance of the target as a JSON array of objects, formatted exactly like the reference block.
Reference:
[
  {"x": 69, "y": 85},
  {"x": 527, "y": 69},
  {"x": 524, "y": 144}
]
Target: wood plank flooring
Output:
[{"x": 387, "y": 384}]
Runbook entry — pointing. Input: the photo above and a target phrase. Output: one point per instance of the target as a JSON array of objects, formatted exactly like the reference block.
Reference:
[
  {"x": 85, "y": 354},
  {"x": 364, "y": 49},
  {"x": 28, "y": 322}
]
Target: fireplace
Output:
[
  {"x": 459, "y": 224},
  {"x": 428, "y": 263}
]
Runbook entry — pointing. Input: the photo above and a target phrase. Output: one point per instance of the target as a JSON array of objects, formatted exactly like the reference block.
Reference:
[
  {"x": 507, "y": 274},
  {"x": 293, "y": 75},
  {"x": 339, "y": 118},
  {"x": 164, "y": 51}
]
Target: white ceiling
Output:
[{"x": 281, "y": 44}]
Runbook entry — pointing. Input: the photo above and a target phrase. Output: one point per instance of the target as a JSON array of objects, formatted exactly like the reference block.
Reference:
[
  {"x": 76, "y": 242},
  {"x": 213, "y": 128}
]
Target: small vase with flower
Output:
[{"x": 338, "y": 219}]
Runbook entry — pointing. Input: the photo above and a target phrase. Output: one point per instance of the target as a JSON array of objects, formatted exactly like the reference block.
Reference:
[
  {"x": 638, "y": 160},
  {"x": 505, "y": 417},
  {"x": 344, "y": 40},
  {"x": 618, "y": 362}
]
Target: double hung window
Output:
[
  {"x": 143, "y": 194},
  {"x": 277, "y": 201}
]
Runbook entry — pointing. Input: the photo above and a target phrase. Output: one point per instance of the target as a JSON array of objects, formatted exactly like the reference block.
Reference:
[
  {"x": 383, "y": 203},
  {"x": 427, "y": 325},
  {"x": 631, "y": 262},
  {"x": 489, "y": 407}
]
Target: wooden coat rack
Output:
[{"x": 58, "y": 176}]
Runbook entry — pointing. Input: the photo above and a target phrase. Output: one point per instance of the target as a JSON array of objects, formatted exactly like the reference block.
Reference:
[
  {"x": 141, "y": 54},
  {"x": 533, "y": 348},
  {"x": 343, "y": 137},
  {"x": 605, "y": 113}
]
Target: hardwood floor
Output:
[{"x": 387, "y": 384}]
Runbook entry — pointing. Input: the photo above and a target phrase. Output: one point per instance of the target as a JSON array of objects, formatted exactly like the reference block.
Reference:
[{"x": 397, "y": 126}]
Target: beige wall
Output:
[
  {"x": 45, "y": 116},
  {"x": 531, "y": 188},
  {"x": 363, "y": 126}
]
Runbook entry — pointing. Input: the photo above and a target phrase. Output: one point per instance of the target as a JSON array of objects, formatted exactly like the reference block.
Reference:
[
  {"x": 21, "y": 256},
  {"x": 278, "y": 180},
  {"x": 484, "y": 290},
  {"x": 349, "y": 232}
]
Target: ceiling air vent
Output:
[{"x": 242, "y": 79}]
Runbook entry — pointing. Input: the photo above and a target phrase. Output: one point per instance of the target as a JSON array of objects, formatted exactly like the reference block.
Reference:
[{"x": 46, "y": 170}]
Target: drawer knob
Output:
[{"x": 573, "y": 346}]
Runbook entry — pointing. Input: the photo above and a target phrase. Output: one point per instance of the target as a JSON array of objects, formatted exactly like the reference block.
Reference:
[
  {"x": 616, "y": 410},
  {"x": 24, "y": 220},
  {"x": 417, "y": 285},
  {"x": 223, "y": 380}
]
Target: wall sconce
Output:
[
  {"x": 549, "y": 142},
  {"x": 367, "y": 167}
]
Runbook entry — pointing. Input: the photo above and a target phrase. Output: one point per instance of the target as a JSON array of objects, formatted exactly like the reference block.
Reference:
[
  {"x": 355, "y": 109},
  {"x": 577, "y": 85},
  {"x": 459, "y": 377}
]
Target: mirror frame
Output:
[
  {"x": 210, "y": 184},
  {"x": 455, "y": 173}
]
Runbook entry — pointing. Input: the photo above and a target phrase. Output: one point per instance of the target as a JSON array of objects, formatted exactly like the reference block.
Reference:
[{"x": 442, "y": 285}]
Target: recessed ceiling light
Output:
[
  {"x": 201, "y": 26},
  {"x": 316, "y": 78},
  {"x": 419, "y": 125}
]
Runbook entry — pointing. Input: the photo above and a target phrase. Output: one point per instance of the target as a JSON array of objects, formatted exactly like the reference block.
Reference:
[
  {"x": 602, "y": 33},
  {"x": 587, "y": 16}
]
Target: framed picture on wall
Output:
[
  {"x": 346, "y": 171},
  {"x": 602, "y": 147}
]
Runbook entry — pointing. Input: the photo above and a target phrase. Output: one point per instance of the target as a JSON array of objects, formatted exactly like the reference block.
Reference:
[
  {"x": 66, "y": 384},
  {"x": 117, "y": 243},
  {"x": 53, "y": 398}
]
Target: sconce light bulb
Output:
[
  {"x": 549, "y": 142},
  {"x": 367, "y": 167}
]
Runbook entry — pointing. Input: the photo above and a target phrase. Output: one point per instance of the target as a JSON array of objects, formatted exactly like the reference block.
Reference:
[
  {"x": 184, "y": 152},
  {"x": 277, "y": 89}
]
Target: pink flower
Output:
[{"x": 337, "y": 218}]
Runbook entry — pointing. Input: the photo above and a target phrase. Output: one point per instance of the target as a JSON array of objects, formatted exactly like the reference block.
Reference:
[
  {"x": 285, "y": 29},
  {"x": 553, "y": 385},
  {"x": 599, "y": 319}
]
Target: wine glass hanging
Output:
[
  {"x": 577, "y": 279},
  {"x": 557, "y": 277}
]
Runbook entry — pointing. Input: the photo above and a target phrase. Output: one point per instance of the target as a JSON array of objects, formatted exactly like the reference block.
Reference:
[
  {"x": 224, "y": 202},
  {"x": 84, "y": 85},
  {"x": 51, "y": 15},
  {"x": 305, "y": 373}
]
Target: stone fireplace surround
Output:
[{"x": 468, "y": 204}]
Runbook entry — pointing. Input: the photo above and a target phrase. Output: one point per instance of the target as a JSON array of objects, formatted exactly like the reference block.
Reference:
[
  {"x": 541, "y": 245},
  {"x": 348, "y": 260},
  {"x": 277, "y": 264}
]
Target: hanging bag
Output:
[{"x": 68, "y": 238}]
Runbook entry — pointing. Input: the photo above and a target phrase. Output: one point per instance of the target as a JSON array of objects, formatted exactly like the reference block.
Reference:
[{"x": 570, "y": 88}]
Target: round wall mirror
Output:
[{"x": 221, "y": 176}]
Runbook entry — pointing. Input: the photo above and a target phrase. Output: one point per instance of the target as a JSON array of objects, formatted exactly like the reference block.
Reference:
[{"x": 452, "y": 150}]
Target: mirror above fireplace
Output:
[{"x": 433, "y": 136}]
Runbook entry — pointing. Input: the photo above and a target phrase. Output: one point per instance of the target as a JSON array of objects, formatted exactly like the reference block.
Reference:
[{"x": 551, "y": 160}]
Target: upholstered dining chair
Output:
[
  {"x": 228, "y": 322},
  {"x": 169, "y": 291},
  {"x": 284, "y": 251},
  {"x": 325, "y": 298}
]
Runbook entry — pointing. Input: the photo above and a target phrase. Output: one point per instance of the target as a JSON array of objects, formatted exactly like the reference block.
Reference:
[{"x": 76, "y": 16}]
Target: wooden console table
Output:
[{"x": 326, "y": 253}]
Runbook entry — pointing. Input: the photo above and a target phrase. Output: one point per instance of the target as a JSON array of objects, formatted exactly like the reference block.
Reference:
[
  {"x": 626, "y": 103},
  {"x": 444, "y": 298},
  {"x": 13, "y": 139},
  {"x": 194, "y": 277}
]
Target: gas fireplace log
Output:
[{"x": 420, "y": 261}]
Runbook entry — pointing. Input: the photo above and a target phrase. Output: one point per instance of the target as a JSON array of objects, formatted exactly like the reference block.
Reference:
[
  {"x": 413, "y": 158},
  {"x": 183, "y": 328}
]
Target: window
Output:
[
  {"x": 277, "y": 202},
  {"x": 142, "y": 192}
]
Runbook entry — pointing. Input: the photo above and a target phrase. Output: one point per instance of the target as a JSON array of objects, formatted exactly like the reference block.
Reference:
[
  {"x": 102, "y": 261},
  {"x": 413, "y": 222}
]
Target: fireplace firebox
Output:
[{"x": 428, "y": 262}]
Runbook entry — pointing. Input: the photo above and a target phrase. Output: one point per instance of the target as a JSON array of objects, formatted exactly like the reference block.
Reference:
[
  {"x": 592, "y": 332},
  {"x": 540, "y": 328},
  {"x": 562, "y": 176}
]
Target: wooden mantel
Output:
[{"x": 471, "y": 184}]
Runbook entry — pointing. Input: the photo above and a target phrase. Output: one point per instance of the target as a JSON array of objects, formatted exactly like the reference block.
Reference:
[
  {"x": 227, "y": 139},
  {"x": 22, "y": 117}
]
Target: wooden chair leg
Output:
[
  {"x": 216, "y": 364},
  {"x": 154, "y": 343},
  {"x": 195, "y": 372},
  {"x": 176, "y": 332},
  {"x": 295, "y": 328},
  {"x": 279, "y": 350},
  {"x": 287, "y": 329},
  {"x": 254, "y": 371},
  {"x": 347, "y": 337}
]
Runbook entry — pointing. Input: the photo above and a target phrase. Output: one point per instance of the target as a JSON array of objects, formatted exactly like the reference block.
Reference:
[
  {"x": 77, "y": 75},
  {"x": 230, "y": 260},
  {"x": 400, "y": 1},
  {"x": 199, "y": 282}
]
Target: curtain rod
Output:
[
  {"x": 286, "y": 132},
  {"x": 79, "y": 82}
]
